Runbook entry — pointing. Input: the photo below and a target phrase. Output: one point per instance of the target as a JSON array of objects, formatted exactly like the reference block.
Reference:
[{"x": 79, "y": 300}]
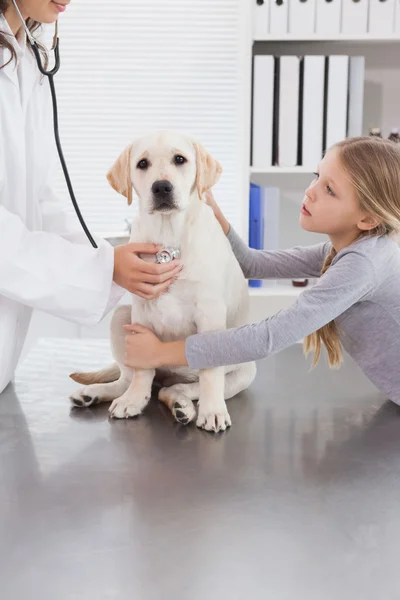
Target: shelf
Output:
[
  {"x": 278, "y": 290},
  {"x": 365, "y": 37},
  {"x": 281, "y": 171}
]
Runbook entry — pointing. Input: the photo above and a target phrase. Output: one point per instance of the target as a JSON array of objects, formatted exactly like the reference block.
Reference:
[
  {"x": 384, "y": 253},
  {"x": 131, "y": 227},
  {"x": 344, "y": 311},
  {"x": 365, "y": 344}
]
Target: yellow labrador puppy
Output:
[{"x": 170, "y": 174}]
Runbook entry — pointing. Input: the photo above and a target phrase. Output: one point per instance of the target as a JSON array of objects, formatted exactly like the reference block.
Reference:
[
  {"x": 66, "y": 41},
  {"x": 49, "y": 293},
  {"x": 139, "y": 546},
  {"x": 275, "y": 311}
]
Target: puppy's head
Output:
[{"x": 165, "y": 169}]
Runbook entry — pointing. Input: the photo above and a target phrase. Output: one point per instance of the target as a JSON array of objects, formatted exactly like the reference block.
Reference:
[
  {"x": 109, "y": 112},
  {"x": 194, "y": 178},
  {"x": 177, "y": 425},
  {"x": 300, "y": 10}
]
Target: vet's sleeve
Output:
[
  {"x": 346, "y": 282},
  {"x": 56, "y": 219},
  {"x": 43, "y": 270},
  {"x": 301, "y": 261}
]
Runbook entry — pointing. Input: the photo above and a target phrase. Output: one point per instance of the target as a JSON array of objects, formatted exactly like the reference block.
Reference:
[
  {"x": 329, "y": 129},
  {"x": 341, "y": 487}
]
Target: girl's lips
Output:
[{"x": 304, "y": 211}]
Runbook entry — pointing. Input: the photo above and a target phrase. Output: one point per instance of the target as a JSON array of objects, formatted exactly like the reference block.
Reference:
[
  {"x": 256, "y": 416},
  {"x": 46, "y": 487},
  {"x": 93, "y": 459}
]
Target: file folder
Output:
[
  {"x": 356, "y": 96},
  {"x": 302, "y": 16},
  {"x": 336, "y": 101},
  {"x": 260, "y": 19},
  {"x": 263, "y": 97},
  {"x": 313, "y": 110},
  {"x": 381, "y": 17},
  {"x": 278, "y": 18},
  {"x": 354, "y": 16},
  {"x": 328, "y": 17}
]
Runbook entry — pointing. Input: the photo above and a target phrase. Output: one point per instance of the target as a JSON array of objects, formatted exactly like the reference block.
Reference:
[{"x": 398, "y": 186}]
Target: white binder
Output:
[
  {"x": 278, "y": 17},
  {"x": 354, "y": 16},
  {"x": 270, "y": 196},
  {"x": 336, "y": 117},
  {"x": 263, "y": 94},
  {"x": 356, "y": 96},
  {"x": 397, "y": 18},
  {"x": 271, "y": 212},
  {"x": 328, "y": 16},
  {"x": 289, "y": 79},
  {"x": 313, "y": 110},
  {"x": 381, "y": 16},
  {"x": 302, "y": 16},
  {"x": 260, "y": 19}
]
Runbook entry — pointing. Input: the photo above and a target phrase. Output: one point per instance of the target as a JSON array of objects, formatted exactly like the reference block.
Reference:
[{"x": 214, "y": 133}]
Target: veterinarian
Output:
[
  {"x": 355, "y": 304},
  {"x": 46, "y": 262}
]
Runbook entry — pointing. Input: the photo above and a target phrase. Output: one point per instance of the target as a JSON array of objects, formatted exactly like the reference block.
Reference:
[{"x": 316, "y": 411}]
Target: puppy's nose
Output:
[{"x": 162, "y": 189}]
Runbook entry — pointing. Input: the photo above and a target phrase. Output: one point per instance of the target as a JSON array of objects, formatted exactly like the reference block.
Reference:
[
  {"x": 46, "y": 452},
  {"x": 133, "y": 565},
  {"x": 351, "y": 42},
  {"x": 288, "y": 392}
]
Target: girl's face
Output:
[
  {"x": 330, "y": 203},
  {"x": 43, "y": 11}
]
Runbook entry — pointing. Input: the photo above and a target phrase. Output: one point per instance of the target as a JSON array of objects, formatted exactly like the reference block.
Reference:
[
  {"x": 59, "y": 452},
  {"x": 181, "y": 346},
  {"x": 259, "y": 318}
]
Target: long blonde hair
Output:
[{"x": 373, "y": 166}]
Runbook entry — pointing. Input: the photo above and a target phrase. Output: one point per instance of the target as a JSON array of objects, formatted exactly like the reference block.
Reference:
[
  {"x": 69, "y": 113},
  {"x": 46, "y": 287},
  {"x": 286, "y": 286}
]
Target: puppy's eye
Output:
[
  {"x": 179, "y": 160},
  {"x": 143, "y": 164}
]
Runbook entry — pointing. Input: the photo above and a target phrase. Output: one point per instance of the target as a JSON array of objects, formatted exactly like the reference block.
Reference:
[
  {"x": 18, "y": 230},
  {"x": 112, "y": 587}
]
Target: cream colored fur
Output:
[{"x": 210, "y": 294}]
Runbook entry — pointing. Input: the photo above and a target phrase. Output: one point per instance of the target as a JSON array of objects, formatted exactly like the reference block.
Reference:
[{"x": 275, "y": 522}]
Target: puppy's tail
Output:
[{"x": 106, "y": 375}]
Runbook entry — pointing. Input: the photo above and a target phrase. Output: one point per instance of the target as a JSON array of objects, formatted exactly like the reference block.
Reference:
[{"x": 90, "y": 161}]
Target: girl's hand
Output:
[
  {"x": 210, "y": 200},
  {"x": 144, "y": 279},
  {"x": 143, "y": 349}
]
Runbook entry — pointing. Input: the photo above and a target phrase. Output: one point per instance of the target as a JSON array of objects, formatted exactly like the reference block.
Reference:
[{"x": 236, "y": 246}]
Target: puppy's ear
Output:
[
  {"x": 119, "y": 176},
  {"x": 208, "y": 170}
]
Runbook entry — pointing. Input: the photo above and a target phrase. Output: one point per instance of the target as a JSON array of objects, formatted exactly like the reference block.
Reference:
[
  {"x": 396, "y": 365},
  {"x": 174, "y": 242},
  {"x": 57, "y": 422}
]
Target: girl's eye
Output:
[
  {"x": 316, "y": 175},
  {"x": 330, "y": 190}
]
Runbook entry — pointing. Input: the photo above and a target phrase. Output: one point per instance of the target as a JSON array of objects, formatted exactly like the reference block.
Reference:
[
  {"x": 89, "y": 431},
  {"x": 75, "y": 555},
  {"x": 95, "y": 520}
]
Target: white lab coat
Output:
[{"x": 46, "y": 261}]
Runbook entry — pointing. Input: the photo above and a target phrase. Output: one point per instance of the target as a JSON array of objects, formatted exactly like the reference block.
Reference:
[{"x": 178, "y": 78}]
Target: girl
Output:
[
  {"x": 355, "y": 200},
  {"x": 46, "y": 261}
]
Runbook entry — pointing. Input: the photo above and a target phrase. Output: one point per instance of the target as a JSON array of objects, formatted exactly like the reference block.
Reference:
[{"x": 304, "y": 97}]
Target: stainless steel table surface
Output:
[{"x": 299, "y": 499}]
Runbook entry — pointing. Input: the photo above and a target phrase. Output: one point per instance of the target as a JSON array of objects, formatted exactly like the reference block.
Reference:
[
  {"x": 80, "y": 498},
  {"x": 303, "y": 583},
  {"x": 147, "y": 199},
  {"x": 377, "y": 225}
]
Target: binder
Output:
[
  {"x": 288, "y": 117},
  {"x": 278, "y": 17},
  {"x": 397, "y": 18},
  {"x": 313, "y": 110},
  {"x": 356, "y": 95},
  {"x": 255, "y": 224},
  {"x": 336, "y": 105},
  {"x": 354, "y": 16},
  {"x": 271, "y": 211},
  {"x": 381, "y": 16},
  {"x": 263, "y": 96},
  {"x": 260, "y": 19},
  {"x": 270, "y": 205},
  {"x": 328, "y": 17},
  {"x": 302, "y": 16}
]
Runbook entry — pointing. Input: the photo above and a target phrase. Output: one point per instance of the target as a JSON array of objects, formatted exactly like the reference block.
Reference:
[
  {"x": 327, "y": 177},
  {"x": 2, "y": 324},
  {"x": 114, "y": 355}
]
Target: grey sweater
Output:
[{"x": 360, "y": 290}]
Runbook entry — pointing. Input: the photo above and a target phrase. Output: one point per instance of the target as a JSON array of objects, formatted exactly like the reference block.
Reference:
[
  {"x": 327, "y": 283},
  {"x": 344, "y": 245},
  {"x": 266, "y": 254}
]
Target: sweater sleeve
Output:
[
  {"x": 349, "y": 280},
  {"x": 279, "y": 264}
]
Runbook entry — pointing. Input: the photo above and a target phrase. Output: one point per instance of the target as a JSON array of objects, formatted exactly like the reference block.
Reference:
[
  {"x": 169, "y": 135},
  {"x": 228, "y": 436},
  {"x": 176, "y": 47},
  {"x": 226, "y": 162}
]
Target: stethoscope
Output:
[
  {"x": 50, "y": 74},
  {"x": 165, "y": 254}
]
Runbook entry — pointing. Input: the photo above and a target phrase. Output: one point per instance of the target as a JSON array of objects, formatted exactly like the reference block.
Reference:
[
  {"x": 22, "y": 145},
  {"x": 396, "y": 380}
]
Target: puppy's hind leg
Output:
[
  {"x": 106, "y": 392},
  {"x": 179, "y": 399}
]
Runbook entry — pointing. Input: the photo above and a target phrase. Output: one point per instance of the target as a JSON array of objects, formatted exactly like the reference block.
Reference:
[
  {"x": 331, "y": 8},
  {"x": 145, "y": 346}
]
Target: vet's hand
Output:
[
  {"x": 147, "y": 280},
  {"x": 210, "y": 200},
  {"x": 143, "y": 349}
]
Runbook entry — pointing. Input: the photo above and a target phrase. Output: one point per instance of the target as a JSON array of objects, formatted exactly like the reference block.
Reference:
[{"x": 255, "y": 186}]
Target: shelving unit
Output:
[{"x": 382, "y": 77}]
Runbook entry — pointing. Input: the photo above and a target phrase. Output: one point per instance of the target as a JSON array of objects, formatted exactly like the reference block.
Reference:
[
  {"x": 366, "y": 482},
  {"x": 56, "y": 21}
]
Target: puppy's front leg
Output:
[
  {"x": 136, "y": 397},
  {"x": 213, "y": 414}
]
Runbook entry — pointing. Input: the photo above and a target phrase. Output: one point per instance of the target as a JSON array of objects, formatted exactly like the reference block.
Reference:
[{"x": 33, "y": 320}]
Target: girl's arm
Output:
[
  {"x": 301, "y": 261},
  {"x": 279, "y": 264},
  {"x": 350, "y": 279}
]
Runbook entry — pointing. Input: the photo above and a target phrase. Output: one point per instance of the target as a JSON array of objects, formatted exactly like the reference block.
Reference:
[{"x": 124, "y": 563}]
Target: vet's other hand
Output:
[
  {"x": 143, "y": 349},
  {"x": 210, "y": 200},
  {"x": 144, "y": 279}
]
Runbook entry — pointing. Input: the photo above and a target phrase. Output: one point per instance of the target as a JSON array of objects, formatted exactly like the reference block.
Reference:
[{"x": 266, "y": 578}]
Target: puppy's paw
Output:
[
  {"x": 183, "y": 411},
  {"x": 182, "y": 408},
  {"x": 127, "y": 406},
  {"x": 80, "y": 399},
  {"x": 213, "y": 420}
]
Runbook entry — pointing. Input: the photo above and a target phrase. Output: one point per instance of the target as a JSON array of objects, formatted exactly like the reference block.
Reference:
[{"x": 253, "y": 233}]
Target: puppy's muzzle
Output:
[{"x": 163, "y": 196}]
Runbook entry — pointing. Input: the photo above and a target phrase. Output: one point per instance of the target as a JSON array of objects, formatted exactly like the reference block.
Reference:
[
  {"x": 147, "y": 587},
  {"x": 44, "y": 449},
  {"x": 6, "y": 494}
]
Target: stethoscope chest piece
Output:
[{"x": 167, "y": 254}]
